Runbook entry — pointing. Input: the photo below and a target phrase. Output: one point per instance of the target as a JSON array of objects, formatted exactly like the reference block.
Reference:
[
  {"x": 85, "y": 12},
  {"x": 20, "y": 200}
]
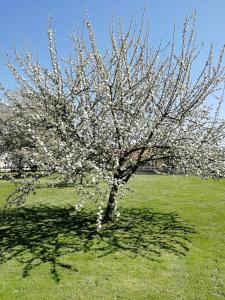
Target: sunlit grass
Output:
[{"x": 168, "y": 244}]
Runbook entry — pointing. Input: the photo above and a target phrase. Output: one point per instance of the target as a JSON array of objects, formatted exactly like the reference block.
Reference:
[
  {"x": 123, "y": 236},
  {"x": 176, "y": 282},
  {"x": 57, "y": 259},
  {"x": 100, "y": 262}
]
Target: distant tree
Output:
[
  {"x": 100, "y": 116},
  {"x": 15, "y": 140}
]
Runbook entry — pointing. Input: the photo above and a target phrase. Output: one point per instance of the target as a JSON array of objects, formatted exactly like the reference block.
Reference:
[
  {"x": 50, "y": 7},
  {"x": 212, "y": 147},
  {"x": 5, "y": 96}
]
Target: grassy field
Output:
[{"x": 168, "y": 244}]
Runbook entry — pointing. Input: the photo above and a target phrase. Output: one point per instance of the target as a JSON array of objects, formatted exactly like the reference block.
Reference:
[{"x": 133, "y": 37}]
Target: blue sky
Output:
[{"x": 26, "y": 21}]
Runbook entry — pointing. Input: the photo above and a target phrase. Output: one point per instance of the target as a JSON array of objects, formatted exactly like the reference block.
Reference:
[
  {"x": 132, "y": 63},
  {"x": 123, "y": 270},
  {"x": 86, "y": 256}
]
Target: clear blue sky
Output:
[{"x": 26, "y": 20}]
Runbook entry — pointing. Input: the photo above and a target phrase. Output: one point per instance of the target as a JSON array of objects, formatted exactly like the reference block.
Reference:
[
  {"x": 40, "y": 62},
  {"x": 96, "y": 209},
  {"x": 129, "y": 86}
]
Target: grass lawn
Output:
[{"x": 169, "y": 243}]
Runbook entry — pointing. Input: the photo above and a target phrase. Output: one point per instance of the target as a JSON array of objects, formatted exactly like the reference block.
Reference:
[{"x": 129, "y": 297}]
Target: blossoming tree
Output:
[
  {"x": 14, "y": 139},
  {"x": 100, "y": 116}
]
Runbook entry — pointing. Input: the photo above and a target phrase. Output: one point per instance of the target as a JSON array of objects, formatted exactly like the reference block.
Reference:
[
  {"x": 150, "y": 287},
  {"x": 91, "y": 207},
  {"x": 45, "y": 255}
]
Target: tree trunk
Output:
[
  {"x": 20, "y": 168},
  {"x": 109, "y": 212}
]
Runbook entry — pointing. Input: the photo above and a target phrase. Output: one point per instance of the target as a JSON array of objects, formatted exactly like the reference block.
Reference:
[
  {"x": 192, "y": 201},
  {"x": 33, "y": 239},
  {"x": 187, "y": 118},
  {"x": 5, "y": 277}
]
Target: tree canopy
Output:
[{"x": 99, "y": 116}]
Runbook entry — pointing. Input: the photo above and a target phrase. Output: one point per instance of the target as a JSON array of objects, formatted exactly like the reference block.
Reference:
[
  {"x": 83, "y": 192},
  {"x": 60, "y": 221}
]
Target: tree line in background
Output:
[{"x": 94, "y": 118}]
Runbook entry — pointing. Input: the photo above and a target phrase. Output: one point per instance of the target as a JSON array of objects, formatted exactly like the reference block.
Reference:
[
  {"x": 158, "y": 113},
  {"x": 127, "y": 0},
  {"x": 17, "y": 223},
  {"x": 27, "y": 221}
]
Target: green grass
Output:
[{"x": 168, "y": 244}]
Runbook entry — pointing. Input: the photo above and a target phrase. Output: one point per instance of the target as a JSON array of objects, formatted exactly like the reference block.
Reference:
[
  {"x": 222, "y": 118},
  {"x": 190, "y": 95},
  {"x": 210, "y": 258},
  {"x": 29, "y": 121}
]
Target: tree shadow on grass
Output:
[{"x": 44, "y": 234}]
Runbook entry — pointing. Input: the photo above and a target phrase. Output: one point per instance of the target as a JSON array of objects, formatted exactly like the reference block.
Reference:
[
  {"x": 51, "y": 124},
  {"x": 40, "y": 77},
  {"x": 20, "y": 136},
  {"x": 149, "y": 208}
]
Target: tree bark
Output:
[{"x": 110, "y": 209}]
